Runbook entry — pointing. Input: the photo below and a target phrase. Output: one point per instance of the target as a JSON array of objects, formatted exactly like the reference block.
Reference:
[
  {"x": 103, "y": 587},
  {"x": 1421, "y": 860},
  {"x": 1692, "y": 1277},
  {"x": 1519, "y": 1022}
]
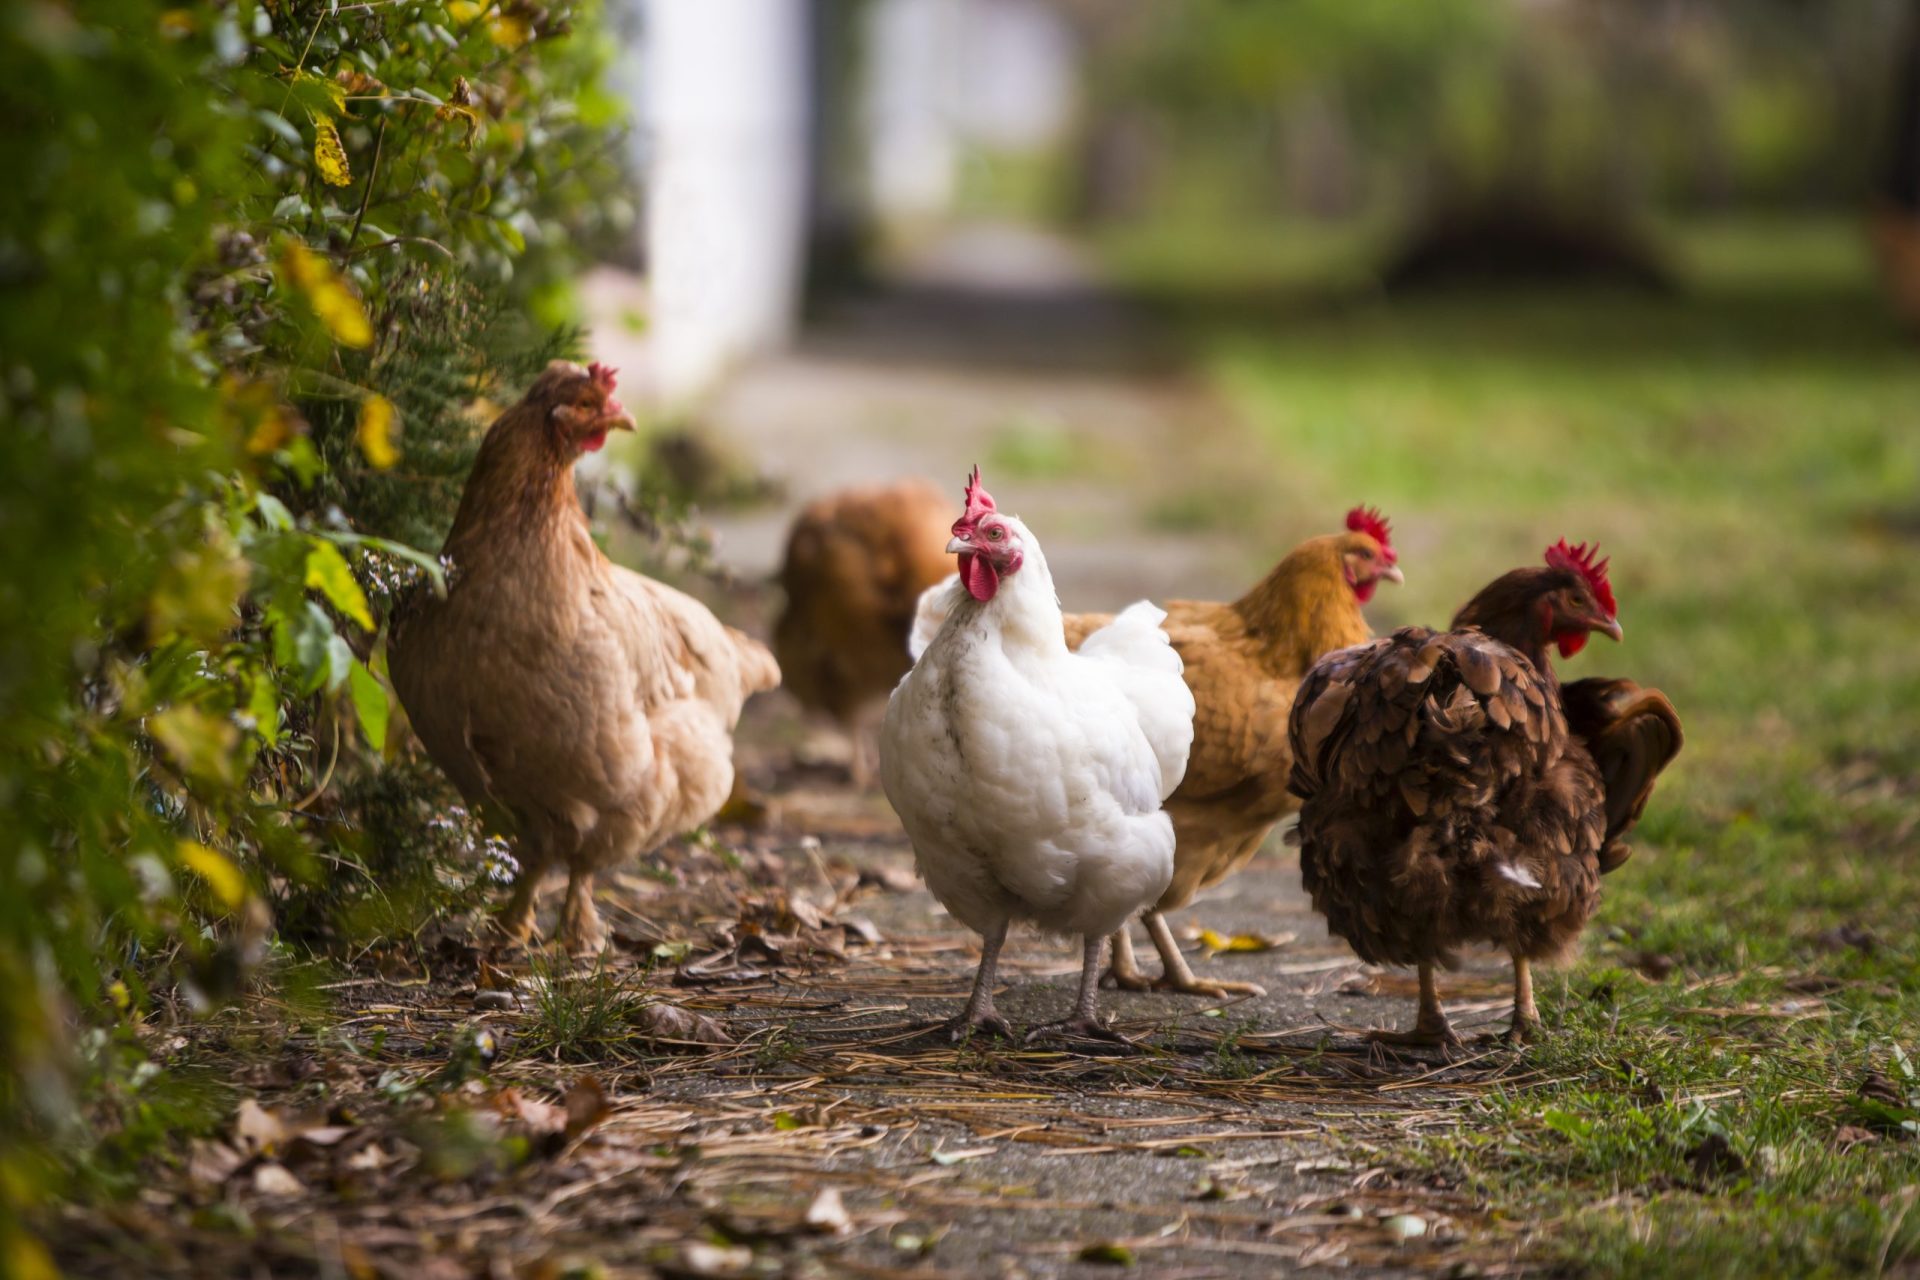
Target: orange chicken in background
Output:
[
  {"x": 587, "y": 707},
  {"x": 1244, "y": 662},
  {"x": 856, "y": 563}
]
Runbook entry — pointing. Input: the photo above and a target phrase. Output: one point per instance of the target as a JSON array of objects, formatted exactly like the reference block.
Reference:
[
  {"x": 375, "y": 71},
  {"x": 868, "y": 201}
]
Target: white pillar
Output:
[{"x": 726, "y": 98}]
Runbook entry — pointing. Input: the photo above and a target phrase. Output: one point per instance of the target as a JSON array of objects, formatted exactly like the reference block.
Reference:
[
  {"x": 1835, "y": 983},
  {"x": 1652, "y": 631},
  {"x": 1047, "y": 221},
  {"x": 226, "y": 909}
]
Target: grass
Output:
[{"x": 1749, "y": 455}]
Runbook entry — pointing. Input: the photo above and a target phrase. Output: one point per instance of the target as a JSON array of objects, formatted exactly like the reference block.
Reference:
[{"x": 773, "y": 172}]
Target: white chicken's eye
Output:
[{"x": 994, "y": 533}]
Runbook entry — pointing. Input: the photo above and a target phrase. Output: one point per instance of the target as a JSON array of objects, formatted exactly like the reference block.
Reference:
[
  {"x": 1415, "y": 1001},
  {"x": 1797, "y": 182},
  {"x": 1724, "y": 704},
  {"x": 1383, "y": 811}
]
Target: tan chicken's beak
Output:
[
  {"x": 1392, "y": 574},
  {"x": 1611, "y": 629}
]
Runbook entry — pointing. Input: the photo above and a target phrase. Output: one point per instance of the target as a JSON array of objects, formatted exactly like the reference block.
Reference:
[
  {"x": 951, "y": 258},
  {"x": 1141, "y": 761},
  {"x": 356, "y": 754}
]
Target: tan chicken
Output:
[
  {"x": 1456, "y": 793},
  {"x": 855, "y": 566},
  {"x": 1244, "y": 662},
  {"x": 587, "y": 707}
]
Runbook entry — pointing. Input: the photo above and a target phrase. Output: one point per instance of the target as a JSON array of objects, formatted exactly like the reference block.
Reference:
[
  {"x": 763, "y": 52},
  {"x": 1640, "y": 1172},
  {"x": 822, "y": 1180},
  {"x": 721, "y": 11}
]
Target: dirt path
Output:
[{"x": 1217, "y": 1150}]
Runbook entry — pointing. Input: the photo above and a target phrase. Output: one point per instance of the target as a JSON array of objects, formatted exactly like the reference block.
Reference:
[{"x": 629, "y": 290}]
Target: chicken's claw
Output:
[
  {"x": 965, "y": 1027},
  {"x": 1076, "y": 1028}
]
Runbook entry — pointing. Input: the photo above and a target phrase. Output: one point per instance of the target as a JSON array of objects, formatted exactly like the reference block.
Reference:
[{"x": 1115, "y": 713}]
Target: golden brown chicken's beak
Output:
[
  {"x": 1392, "y": 574},
  {"x": 1611, "y": 629}
]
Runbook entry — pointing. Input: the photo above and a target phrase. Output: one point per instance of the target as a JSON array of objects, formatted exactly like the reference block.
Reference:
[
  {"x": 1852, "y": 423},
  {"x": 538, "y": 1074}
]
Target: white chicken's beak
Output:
[
  {"x": 959, "y": 545},
  {"x": 1392, "y": 574}
]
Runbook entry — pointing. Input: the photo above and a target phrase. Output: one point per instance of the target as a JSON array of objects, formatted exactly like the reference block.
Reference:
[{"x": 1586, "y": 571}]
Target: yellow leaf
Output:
[
  {"x": 327, "y": 573},
  {"x": 329, "y": 156},
  {"x": 177, "y": 24},
  {"x": 272, "y": 432},
  {"x": 510, "y": 31},
  {"x": 1215, "y": 943},
  {"x": 24, "y": 1257},
  {"x": 339, "y": 310},
  {"x": 374, "y": 434},
  {"x": 464, "y": 10},
  {"x": 202, "y": 744},
  {"x": 225, "y": 879}
]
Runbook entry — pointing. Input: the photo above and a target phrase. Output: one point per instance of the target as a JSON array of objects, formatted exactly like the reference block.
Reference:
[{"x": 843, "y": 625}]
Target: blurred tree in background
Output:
[
  {"x": 1586, "y": 112},
  {"x": 266, "y": 265}
]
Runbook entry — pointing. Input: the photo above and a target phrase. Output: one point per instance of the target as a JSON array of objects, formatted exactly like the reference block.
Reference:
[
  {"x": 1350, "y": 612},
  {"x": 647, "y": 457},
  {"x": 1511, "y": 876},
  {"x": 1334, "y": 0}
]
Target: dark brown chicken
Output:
[
  {"x": 1455, "y": 793},
  {"x": 855, "y": 566}
]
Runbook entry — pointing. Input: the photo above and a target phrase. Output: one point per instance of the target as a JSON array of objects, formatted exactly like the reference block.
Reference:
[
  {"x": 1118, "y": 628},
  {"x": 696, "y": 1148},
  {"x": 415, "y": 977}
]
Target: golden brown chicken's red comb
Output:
[
  {"x": 1369, "y": 521},
  {"x": 1583, "y": 558}
]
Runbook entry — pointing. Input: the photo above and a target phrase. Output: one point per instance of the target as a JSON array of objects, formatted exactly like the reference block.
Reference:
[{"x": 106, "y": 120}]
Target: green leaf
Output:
[
  {"x": 1108, "y": 1253},
  {"x": 273, "y": 512},
  {"x": 369, "y": 704},
  {"x": 428, "y": 563},
  {"x": 327, "y": 573}
]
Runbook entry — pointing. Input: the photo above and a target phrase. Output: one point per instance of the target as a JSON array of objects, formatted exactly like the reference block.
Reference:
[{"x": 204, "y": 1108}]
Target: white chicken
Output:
[{"x": 1029, "y": 777}]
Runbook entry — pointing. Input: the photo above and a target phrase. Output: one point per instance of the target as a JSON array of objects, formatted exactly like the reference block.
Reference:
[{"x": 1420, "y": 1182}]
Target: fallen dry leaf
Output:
[
  {"x": 256, "y": 1129},
  {"x": 1249, "y": 943},
  {"x": 211, "y": 1163},
  {"x": 586, "y": 1105},
  {"x": 828, "y": 1214},
  {"x": 273, "y": 1180},
  {"x": 671, "y": 1022}
]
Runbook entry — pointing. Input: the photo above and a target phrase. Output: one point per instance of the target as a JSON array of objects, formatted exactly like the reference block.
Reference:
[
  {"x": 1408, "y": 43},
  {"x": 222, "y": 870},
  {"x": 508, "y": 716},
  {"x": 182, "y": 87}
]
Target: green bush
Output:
[{"x": 266, "y": 266}]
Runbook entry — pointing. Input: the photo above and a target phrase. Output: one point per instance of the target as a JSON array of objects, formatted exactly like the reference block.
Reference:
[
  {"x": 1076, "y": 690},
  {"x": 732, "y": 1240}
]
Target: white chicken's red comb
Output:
[{"x": 979, "y": 501}]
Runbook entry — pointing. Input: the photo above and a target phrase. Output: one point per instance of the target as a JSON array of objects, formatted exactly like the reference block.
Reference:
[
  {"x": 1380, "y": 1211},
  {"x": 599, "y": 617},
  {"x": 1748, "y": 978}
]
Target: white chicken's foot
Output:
[
  {"x": 979, "y": 1015},
  {"x": 1085, "y": 1023}
]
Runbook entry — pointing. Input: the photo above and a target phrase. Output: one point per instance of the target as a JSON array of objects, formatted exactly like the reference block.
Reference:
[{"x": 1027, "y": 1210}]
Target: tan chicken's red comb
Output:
[
  {"x": 1583, "y": 558},
  {"x": 979, "y": 501},
  {"x": 1369, "y": 521}
]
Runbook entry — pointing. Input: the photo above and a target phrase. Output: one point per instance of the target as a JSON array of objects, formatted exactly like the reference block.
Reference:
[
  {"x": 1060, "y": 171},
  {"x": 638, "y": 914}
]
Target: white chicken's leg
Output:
[
  {"x": 979, "y": 1014},
  {"x": 1085, "y": 1021}
]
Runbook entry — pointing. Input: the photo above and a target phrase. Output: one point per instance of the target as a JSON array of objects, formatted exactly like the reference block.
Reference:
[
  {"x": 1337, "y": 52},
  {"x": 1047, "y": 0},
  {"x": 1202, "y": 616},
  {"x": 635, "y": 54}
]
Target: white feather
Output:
[{"x": 1519, "y": 875}]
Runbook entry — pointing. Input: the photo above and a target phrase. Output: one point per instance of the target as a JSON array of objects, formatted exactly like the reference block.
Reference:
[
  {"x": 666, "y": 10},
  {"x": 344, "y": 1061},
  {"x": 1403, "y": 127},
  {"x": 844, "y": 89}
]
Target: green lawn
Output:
[{"x": 1749, "y": 454}]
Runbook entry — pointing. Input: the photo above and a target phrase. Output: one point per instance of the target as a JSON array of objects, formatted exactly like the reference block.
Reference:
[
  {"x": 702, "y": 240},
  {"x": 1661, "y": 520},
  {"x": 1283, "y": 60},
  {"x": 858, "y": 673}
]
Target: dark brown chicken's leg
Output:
[
  {"x": 1525, "y": 1027},
  {"x": 979, "y": 1015},
  {"x": 1431, "y": 1029},
  {"x": 1085, "y": 1022}
]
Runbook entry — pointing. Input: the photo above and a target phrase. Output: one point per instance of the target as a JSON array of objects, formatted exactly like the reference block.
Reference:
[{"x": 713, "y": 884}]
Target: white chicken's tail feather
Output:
[
  {"x": 936, "y": 602},
  {"x": 1148, "y": 670}
]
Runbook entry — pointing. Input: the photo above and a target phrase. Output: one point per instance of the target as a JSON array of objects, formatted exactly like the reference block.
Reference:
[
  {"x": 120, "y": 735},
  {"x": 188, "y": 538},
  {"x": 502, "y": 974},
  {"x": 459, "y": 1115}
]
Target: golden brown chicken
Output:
[
  {"x": 1455, "y": 793},
  {"x": 1244, "y": 661},
  {"x": 855, "y": 566},
  {"x": 587, "y": 707}
]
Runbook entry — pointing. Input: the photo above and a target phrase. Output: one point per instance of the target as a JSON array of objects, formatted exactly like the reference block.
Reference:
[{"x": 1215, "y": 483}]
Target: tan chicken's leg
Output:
[
  {"x": 514, "y": 925},
  {"x": 1431, "y": 1029},
  {"x": 581, "y": 932},
  {"x": 1176, "y": 976},
  {"x": 979, "y": 1015},
  {"x": 1125, "y": 970},
  {"x": 1525, "y": 1027},
  {"x": 1085, "y": 1022}
]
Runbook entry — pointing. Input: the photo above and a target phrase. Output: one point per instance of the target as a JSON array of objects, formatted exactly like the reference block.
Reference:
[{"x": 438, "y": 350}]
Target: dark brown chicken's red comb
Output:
[
  {"x": 1583, "y": 558},
  {"x": 1369, "y": 521},
  {"x": 604, "y": 376}
]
